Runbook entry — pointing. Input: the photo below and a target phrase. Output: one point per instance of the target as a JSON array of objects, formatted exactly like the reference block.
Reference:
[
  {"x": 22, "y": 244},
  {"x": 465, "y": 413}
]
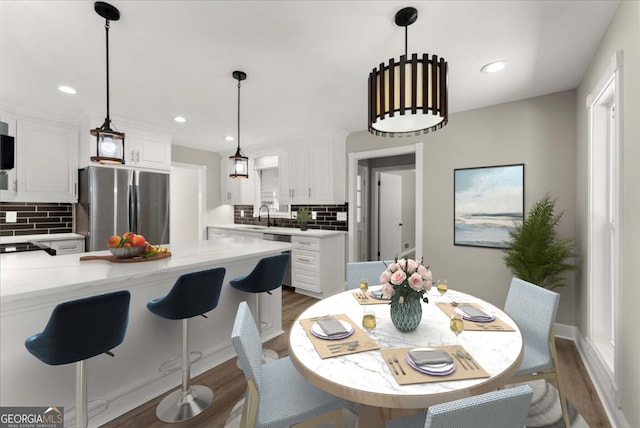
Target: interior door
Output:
[{"x": 389, "y": 203}]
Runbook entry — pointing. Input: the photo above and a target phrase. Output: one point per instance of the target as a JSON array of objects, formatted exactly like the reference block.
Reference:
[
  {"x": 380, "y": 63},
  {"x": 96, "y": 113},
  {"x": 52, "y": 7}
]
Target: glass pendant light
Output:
[{"x": 240, "y": 167}]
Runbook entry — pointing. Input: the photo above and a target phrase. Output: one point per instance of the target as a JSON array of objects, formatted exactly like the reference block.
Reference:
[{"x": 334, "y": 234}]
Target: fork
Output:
[
  {"x": 395, "y": 360},
  {"x": 390, "y": 362}
]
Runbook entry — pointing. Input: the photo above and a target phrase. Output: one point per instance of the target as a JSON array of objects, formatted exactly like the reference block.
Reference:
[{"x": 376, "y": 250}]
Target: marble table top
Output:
[{"x": 365, "y": 378}]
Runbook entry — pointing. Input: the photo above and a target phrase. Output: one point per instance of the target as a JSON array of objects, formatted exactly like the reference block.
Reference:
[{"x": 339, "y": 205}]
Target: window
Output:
[
  {"x": 604, "y": 278},
  {"x": 268, "y": 188}
]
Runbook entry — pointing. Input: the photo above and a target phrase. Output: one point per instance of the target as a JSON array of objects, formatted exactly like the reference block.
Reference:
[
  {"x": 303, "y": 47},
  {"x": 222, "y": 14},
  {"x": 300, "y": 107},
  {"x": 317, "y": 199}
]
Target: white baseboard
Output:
[{"x": 596, "y": 373}]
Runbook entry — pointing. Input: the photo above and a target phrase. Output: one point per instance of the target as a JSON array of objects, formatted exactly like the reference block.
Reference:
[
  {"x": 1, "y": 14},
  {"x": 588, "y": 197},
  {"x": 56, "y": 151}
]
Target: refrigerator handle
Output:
[{"x": 133, "y": 218}]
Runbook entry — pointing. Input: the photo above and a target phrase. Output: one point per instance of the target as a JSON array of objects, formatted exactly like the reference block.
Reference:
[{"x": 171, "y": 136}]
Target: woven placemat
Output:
[
  {"x": 496, "y": 325},
  {"x": 328, "y": 348},
  {"x": 404, "y": 374}
]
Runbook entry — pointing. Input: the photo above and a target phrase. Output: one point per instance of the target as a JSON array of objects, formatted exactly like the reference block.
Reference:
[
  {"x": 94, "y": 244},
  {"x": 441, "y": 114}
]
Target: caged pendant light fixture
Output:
[
  {"x": 408, "y": 97},
  {"x": 240, "y": 163},
  {"x": 109, "y": 143}
]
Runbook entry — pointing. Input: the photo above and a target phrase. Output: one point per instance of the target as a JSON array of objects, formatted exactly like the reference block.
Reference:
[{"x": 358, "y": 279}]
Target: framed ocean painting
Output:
[{"x": 488, "y": 202}]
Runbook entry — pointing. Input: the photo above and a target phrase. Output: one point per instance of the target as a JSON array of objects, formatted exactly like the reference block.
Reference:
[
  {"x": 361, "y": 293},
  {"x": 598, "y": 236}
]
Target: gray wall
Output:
[
  {"x": 623, "y": 34},
  {"x": 539, "y": 132},
  {"x": 212, "y": 161}
]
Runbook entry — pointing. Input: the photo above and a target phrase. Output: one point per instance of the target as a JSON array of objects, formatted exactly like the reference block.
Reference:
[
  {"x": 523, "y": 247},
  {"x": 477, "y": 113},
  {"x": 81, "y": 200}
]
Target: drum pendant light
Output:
[
  {"x": 408, "y": 97},
  {"x": 109, "y": 143},
  {"x": 240, "y": 163}
]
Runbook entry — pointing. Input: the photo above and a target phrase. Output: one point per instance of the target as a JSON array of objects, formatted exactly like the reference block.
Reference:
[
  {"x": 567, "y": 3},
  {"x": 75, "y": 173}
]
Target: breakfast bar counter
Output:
[{"x": 33, "y": 283}]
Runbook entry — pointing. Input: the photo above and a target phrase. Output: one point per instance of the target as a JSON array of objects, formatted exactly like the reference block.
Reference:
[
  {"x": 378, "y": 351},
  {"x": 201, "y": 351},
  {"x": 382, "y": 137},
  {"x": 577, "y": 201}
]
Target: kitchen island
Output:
[{"x": 33, "y": 283}]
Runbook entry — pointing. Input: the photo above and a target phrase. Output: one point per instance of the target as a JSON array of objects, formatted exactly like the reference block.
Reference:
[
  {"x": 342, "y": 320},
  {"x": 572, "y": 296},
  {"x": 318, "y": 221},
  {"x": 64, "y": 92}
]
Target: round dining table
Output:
[{"x": 366, "y": 377}]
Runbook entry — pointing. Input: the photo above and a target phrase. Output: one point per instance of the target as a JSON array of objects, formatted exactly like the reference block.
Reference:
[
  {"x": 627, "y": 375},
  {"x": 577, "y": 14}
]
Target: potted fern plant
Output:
[
  {"x": 302, "y": 217},
  {"x": 535, "y": 252}
]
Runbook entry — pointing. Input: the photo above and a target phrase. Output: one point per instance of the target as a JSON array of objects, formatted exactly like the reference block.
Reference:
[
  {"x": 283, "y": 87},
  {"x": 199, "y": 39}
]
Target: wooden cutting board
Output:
[{"x": 136, "y": 259}]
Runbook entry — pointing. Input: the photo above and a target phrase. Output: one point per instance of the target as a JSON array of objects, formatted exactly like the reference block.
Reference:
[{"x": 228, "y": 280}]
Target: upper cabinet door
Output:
[
  {"x": 148, "y": 150},
  {"x": 47, "y": 161},
  {"x": 321, "y": 172}
]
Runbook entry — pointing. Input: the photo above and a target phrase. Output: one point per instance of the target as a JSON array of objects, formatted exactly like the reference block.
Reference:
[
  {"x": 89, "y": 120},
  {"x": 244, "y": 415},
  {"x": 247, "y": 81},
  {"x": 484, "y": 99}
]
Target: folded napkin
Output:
[
  {"x": 430, "y": 357},
  {"x": 378, "y": 295},
  {"x": 332, "y": 327},
  {"x": 473, "y": 312}
]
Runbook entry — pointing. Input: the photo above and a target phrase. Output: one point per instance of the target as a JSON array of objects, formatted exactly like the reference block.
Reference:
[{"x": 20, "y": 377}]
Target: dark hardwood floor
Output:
[{"x": 229, "y": 384}]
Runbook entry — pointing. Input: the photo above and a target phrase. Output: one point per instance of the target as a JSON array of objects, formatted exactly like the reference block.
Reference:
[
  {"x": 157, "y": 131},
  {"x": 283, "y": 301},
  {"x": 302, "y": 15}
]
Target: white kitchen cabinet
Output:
[
  {"x": 8, "y": 180},
  {"x": 147, "y": 150},
  {"x": 46, "y": 164},
  {"x": 68, "y": 246},
  {"x": 318, "y": 265},
  {"x": 214, "y": 233},
  {"x": 65, "y": 246},
  {"x": 234, "y": 191},
  {"x": 293, "y": 163},
  {"x": 144, "y": 146},
  {"x": 313, "y": 171}
]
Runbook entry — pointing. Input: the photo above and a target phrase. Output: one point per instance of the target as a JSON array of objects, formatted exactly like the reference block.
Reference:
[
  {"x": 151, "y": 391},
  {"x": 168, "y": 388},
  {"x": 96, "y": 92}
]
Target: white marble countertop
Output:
[
  {"x": 36, "y": 274},
  {"x": 314, "y": 233},
  {"x": 364, "y": 377},
  {"x": 39, "y": 237}
]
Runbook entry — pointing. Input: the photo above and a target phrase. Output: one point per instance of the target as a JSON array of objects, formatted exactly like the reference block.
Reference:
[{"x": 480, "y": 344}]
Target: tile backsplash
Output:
[
  {"x": 36, "y": 218},
  {"x": 327, "y": 217}
]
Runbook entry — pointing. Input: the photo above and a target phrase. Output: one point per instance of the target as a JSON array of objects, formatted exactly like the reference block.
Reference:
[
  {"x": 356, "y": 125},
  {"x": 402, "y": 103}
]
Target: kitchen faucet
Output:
[{"x": 268, "y": 217}]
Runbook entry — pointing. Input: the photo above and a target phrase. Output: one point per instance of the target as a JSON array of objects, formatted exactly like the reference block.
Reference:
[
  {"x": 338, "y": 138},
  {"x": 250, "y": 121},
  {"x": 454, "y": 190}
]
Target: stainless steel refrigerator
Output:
[{"x": 112, "y": 201}]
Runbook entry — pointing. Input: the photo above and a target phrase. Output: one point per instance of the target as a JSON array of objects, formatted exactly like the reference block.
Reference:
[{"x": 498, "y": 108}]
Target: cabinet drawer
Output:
[
  {"x": 308, "y": 260},
  {"x": 68, "y": 247},
  {"x": 312, "y": 244},
  {"x": 306, "y": 280}
]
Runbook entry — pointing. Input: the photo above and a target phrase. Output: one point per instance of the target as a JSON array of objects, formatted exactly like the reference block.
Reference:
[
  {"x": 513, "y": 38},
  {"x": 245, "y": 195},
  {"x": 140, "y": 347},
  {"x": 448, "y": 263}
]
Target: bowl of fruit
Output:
[{"x": 127, "y": 246}]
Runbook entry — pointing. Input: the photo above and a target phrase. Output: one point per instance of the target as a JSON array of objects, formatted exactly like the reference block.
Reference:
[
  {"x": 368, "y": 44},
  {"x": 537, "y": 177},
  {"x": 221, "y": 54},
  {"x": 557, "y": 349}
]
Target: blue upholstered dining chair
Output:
[
  {"x": 78, "y": 330},
  {"x": 277, "y": 394},
  {"x": 193, "y": 294},
  {"x": 534, "y": 309},
  {"x": 370, "y": 271},
  {"x": 267, "y": 275},
  {"x": 506, "y": 408}
]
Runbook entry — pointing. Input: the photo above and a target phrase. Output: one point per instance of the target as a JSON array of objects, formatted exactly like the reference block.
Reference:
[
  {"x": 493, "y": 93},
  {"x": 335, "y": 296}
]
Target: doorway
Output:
[
  {"x": 360, "y": 220},
  {"x": 188, "y": 202}
]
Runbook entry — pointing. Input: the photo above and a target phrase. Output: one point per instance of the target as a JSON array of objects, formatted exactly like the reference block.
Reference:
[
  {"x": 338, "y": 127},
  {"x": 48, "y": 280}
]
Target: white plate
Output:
[
  {"x": 435, "y": 369},
  {"x": 317, "y": 331}
]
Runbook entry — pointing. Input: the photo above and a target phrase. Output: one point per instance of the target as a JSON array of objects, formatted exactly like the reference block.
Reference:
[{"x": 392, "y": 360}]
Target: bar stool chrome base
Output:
[{"x": 180, "y": 406}]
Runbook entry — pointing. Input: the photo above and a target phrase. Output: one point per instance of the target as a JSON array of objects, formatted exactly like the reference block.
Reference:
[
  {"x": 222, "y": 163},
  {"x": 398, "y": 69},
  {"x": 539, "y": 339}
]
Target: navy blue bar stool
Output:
[
  {"x": 193, "y": 294},
  {"x": 266, "y": 276},
  {"x": 78, "y": 330}
]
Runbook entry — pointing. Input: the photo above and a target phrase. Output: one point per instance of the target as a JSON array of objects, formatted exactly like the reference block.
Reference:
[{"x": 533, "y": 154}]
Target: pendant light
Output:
[
  {"x": 109, "y": 143},
  {"x": 240, "y": 163},
  {"x": 409, "y": 96}
]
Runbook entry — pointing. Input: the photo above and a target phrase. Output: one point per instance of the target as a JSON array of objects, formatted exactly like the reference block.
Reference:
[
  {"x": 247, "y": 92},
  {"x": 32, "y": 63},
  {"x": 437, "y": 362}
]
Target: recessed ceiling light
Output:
[
  {"x": 229, "y": 138},
  {"x": 180, "y": 119},
  {"x": 67, "y": 89},
  {"x": 493, "y": 67}
]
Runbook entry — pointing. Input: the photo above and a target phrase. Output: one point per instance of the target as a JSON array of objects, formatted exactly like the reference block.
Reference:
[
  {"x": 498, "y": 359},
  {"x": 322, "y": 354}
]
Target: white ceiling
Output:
[{"x": 307, "y": 61}]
